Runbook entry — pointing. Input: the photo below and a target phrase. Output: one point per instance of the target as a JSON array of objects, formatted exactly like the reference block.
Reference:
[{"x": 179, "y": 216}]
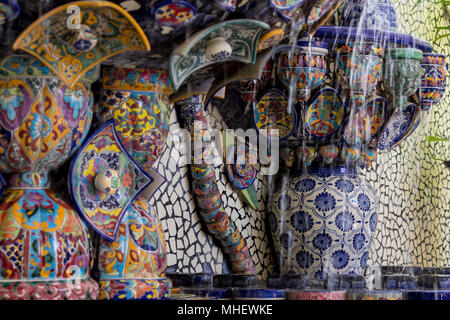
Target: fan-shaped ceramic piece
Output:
[
  {"x": 233, "y": 40},
  {"x": 77, "y": 36},
  {"x": 104, "y": 180}
]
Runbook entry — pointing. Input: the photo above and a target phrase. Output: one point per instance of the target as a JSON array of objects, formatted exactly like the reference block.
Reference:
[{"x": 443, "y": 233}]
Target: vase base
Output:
[
  {"x": 134, "y": 289},
  {"x": 84, "y": 289}
]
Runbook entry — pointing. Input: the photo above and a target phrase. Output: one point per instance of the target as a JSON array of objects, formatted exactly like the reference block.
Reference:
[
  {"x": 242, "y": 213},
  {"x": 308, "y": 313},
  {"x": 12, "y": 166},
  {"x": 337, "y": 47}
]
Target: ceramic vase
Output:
[
  {"x": 322, "y": 222},
  {"x": 433, "y": 82},
  {"x": 358, "y": 69},
  {"x": 402, "y": 73},
  {"x": 370, "y": 14},
  {"x": 132, "y": 266},
  {"x": 45, "y": 252},
  {"x": 303, "y": 68}
]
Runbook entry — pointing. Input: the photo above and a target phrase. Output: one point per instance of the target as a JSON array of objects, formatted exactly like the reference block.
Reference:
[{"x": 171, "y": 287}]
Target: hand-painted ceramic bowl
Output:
[
  {"x": 433, "y": 83},
  {"x": 303, "y": 68},
  {"x": 402, "y": 73},
  {"x": 322, "y": 222},
  {"x": 371, "y": 14},
  {"x": 358, "y": 68}
]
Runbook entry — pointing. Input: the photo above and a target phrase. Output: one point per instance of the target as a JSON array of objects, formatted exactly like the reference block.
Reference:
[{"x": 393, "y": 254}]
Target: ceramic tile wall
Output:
[
  {"x": 412, "y": 188},
  {"x": 190, "y": 248}
]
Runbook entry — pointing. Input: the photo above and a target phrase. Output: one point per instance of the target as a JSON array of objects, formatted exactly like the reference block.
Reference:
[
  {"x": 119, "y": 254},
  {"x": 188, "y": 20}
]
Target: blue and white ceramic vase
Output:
[
  {"x": 322, "y": 222},
  {"x": 370, "y": 14}
]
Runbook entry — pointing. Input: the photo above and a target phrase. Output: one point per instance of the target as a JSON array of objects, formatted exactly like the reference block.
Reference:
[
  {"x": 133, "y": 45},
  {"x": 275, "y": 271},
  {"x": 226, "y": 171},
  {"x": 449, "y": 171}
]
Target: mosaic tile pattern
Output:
[
  {"x": 190, "y": 248},
  {"x": 412, "y": 188}
]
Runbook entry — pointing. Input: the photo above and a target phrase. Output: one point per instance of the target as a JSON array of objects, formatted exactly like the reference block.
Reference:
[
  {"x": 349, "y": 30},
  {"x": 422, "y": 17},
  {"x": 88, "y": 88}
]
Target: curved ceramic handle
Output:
[{"x": 107, "y": 181}]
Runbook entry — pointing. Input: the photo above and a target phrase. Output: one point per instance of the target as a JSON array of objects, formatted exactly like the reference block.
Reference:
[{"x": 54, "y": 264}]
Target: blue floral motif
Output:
[
  {"x": 10, "y": 100},
  {"x": 75, "y": 99},
  {"x": 322, "y": 241},
  {"x": 301, "y": 221},
  {"x": 40, "y": 126},
  {"x": 344, "y": 221},
  {"x": 305, "y": 185},
  {"x": 304, "y": 259},
  {"x": 339, "y": 259},
  {"x": 373, "y": 222},
  {"x": 286, "y": 240},
  {"x": 364, "y": 259},
  {"x": 345, "y": 185},
  {"x": 358, "y": 241},
  {"x": 325, "y": 201},
  {"x": 284, "y": 202},
  {"x": 364, "y": 202}
]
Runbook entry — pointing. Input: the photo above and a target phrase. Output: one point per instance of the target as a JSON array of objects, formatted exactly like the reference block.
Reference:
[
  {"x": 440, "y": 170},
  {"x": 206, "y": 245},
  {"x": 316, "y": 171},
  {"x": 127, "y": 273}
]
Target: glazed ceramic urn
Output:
[
  {"x": 322, "y": 222},
  {"x": 45, "y": 250},
  {"x": 132, "y": 263}
]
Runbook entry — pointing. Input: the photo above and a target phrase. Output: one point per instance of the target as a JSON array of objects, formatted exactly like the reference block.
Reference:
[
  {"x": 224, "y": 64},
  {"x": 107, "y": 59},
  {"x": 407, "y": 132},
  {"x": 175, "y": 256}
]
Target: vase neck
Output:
[{"x": 28, "y": 180}]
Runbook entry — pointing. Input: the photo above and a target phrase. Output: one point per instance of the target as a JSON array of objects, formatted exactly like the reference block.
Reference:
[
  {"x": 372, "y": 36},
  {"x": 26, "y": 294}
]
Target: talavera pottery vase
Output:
[
  {"x": 44, "y": 247},
  {"x": 322, "y": 222},
  {"x": 434, "y": 79},
  {"x": 402, "y": 73},
  {"x": 358, "y": 68},
  {"x": 370, "y": 14},
  {"x": 132, "y": 265},
  {"x": 303, "y": 68}
]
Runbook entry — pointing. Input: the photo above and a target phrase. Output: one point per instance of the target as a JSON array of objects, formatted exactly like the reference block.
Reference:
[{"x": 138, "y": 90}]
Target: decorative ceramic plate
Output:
[
  {"x": 70, "y": 48},
  {"x": 325, "y": 114},
  {"x": 271, "y": 38},
  {"x": 243, "y": 172},
  {"x": 414, "y": 125},
  {"x": 175, "y": 13},
  {"x": 367, "y": 122},
  {"x": 9, "y": 10},
  {"x": 103, "y": 152},
  {"x": 233, "y": 40},
  {"x": 271, "y": 113},
  {"x": 397, "y": 127}
]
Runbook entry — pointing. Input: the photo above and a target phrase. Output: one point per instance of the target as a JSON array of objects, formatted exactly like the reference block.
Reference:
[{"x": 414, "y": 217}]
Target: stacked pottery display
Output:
[
  {"x": 132, "y": 261},
  {"x": 45, "y": 250}
]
